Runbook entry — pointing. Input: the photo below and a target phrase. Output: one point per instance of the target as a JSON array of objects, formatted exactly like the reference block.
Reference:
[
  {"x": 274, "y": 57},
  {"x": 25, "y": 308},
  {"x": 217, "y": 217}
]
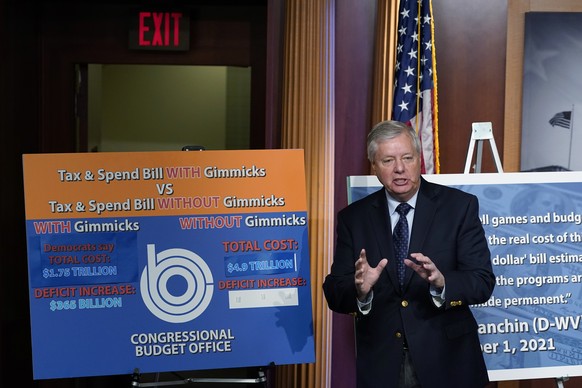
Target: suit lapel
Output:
[{"x": 424, "y": 214}]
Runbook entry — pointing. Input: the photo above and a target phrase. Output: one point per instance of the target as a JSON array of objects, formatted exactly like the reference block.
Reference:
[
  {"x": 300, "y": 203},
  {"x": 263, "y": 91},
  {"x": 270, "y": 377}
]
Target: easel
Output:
[
  {"x": 481, "y": 132},
  {"x": 261, "y": 378}
]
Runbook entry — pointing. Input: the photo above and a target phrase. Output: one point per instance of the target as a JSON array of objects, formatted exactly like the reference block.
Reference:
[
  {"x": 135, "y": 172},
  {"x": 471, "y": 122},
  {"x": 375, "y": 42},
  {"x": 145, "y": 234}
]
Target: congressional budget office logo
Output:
[{"x": 159, "y": 279}]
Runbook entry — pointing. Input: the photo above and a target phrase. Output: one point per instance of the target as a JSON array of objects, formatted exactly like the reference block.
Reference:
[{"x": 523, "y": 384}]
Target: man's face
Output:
[{"x": 397, "y": 166}]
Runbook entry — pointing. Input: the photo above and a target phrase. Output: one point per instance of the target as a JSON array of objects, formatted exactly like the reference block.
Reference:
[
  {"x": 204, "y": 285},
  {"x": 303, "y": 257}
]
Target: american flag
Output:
[
  {"x": 562, "y": 119},
  {"x": 415, "y": 86}
]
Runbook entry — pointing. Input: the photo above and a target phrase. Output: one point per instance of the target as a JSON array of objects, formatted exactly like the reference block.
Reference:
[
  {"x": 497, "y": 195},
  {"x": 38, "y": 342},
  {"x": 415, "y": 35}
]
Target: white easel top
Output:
[{"x": 482, "y": 131}]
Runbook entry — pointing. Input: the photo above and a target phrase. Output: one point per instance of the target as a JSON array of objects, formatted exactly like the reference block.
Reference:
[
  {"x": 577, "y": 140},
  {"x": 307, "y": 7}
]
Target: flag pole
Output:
[{"x": 571, "y": 137}]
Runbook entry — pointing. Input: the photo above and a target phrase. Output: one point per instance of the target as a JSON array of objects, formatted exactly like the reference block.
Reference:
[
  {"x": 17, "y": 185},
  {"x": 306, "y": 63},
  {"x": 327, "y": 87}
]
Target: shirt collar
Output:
[{"x": 392, "y": 203}]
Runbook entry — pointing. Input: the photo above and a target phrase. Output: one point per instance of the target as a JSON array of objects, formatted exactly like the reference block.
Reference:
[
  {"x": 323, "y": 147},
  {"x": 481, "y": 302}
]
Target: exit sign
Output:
[{"x": 160, "y": 30}]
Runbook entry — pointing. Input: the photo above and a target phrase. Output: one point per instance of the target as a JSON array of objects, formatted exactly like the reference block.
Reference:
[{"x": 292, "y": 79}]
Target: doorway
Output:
[{"x": 162, "y": 107}]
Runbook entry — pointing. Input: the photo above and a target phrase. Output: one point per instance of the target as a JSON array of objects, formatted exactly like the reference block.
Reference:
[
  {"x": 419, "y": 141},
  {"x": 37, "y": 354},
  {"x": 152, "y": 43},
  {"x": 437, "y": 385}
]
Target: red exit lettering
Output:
[{"x": 159, "y": 28}]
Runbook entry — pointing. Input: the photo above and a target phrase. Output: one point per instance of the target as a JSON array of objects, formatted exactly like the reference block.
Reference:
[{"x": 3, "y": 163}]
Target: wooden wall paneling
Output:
[
  {"x": 354, "y": 41},
  {"x": 514, "y": 84},
  {"x": 274, "y": 72},
  {"x": 470, "y": 50}
]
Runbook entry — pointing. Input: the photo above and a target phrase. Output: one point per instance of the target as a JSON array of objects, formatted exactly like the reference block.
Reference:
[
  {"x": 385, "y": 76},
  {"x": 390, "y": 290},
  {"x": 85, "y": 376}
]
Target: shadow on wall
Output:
[{"x": 547, "y": 169}]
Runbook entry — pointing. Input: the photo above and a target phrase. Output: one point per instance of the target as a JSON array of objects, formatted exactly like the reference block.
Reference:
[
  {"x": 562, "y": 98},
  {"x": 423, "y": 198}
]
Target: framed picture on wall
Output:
[{"x": 551, "y": 130}]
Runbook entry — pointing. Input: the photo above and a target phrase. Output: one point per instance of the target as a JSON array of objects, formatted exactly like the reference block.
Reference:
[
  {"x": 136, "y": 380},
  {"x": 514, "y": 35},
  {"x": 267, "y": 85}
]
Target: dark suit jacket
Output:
[{"x": 443, "y": 342}]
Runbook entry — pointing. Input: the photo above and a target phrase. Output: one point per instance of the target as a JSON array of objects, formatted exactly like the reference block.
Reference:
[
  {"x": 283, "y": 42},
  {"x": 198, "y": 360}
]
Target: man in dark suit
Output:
[{"x": 418, "y": 331}]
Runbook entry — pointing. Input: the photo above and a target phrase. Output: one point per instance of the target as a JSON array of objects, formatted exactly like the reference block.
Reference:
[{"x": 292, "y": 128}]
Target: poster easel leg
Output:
[{"x": 560, "y": 381}]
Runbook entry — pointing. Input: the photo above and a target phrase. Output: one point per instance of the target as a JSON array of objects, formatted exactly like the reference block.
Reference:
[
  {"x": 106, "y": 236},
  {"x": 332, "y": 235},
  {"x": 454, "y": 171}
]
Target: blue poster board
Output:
[{"x": 167, "y": 261}]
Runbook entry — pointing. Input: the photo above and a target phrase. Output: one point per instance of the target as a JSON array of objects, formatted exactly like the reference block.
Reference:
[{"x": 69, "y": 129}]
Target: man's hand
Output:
[
  {"x": 427, "y": 270},
  {"x": 367, "y": 276}
]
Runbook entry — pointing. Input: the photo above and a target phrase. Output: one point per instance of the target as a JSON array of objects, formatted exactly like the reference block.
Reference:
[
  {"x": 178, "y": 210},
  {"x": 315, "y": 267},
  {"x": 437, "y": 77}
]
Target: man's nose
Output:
[{"x": 398, "y": 165}]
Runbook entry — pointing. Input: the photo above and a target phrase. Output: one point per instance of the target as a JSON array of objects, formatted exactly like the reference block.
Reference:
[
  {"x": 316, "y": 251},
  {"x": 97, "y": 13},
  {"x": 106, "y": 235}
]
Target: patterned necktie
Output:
[{"x": 400, "y": 235}]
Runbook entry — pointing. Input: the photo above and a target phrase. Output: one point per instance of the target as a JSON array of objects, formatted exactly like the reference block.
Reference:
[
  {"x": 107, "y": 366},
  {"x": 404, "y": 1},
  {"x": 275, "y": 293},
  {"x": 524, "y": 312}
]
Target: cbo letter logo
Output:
[{"x": 171, "y": 267}]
